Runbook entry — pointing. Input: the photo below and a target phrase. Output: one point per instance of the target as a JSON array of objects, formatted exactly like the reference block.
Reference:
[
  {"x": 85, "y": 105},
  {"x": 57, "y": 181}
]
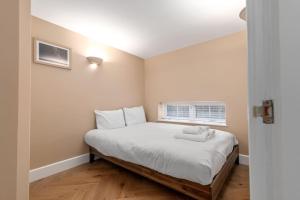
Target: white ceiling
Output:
[{"x": 145, "y": 27}]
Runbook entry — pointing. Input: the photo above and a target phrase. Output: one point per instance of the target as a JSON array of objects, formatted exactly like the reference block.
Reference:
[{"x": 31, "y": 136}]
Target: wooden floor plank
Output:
[{"x": 105, "y": 181}]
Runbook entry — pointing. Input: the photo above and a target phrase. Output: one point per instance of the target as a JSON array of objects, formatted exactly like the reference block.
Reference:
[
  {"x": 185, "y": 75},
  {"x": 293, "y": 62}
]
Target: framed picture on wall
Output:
[{"x": 51, "y": 54}]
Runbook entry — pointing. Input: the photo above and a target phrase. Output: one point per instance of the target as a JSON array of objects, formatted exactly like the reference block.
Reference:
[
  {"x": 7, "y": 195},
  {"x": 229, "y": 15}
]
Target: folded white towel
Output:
[
  {"x": 206, "y": 135},
  {"x": 194, "y": 130}
]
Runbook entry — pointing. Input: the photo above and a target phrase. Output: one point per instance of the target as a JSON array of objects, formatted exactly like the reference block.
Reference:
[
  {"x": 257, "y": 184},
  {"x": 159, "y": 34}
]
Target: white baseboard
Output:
[
  {"x": 48, "y": 170},
  {"x": 244, "y": 159}
]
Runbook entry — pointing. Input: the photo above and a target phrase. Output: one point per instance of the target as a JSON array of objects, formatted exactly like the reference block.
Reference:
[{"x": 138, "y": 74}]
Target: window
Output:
[{"x": 211, "y": 113}]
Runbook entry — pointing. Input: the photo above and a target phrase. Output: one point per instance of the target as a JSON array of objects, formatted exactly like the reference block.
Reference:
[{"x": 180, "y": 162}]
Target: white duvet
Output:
[{"x": 153, "y": 145}]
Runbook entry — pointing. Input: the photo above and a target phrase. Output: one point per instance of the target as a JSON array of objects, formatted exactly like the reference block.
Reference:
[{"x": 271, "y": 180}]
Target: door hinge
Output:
[{"x": 266, "y": 111}]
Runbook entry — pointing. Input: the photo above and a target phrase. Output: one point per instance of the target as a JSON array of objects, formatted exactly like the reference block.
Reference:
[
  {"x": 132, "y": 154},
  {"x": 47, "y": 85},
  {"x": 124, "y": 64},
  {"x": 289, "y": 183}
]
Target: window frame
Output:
[{"x": 193, "y": 104}]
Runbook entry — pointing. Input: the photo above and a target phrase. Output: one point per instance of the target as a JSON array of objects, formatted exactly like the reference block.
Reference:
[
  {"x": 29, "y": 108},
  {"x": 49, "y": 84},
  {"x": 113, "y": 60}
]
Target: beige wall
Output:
[
  {"x": 63, "y": 101},
  {"x": 212, "y": 71},
  {"x": 14, "y": 99}
]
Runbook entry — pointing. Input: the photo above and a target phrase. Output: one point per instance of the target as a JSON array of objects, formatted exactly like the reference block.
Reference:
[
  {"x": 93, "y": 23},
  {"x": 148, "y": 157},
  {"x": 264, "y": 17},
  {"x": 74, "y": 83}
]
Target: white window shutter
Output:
[{"x": 199, "y": 112}]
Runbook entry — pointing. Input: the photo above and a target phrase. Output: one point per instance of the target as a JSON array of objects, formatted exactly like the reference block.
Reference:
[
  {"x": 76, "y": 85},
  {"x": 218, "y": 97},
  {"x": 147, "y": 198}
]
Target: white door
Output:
[{"x": 274, "y": 73}]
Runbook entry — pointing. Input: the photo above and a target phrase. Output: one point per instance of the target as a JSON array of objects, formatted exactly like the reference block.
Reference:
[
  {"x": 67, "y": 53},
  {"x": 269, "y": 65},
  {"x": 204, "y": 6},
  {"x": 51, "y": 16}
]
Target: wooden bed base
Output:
[{"x": 195, "y": 190}]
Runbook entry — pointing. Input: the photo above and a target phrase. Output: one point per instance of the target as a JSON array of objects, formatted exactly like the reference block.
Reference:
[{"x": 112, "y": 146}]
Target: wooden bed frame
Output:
[{"x": 194, "y": 190}]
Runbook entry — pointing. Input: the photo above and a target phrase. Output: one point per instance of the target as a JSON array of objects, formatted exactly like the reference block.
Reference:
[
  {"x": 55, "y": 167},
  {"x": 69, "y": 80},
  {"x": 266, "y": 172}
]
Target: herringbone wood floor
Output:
[{"x": 105, "y": 181}]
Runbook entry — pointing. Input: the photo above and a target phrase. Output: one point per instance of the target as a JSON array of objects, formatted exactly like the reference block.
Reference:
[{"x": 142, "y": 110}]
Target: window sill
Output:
[{"x": 192, "y": 122}]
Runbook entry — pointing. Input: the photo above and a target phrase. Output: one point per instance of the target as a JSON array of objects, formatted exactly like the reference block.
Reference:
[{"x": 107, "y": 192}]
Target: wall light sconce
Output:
[
  {"x": 94, "y": 60},
  {"x": 243, "y": 14}
]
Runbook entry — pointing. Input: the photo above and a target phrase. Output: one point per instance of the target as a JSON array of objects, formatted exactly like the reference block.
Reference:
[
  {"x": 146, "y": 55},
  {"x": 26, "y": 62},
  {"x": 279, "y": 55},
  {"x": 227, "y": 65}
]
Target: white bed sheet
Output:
[{"x": 153, "y": 145}]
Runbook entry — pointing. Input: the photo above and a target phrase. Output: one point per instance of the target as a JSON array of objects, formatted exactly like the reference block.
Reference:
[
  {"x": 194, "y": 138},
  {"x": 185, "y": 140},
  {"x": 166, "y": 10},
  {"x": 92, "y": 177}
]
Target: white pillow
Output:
[
  {"x": 110, "y": 119},
  {"x": 135, "y": 115}
]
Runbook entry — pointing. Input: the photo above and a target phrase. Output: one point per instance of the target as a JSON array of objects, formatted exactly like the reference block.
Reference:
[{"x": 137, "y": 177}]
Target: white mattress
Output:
[{"x": 153, "y": 145}]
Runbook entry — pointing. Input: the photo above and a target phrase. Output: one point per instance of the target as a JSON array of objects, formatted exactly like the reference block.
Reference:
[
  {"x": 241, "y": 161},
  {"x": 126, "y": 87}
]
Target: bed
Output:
[{"x": 197, "y": 169}]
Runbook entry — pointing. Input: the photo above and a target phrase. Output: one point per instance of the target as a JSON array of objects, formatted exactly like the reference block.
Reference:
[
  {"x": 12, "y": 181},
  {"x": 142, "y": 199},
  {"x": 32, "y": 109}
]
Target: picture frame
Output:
[{"x": 51, "y": 54}]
